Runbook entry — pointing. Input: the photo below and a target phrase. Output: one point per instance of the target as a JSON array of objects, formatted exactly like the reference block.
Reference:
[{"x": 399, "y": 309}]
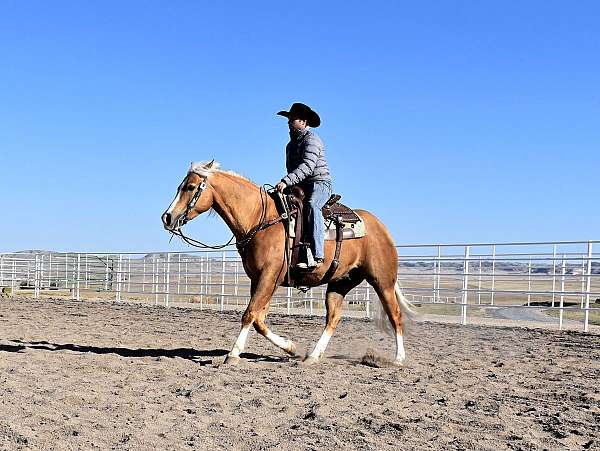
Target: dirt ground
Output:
[{"x": 97, "y": 375}]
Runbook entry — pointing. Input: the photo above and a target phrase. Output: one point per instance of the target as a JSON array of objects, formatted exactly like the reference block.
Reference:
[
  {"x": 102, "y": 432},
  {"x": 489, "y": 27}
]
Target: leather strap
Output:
[{"x": 339, "y": 234}]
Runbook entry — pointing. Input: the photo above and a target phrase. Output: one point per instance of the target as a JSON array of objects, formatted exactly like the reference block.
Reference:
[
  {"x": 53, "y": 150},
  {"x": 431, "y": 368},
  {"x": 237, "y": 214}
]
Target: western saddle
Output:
[{"x": 341, "y": 223}]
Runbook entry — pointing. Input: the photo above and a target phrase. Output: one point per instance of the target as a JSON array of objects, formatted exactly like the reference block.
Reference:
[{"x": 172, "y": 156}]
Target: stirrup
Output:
[{"x": 314, "y": 264}]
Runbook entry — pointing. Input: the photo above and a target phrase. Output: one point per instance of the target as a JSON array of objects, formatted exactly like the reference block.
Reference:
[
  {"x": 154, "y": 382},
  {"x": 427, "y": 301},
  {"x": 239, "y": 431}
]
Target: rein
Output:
[{"x": 241, "y": 244}]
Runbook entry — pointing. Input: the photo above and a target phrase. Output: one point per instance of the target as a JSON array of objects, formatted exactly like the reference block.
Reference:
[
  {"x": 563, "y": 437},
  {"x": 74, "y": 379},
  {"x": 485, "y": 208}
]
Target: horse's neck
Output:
[{"x": 238, "y": 201}]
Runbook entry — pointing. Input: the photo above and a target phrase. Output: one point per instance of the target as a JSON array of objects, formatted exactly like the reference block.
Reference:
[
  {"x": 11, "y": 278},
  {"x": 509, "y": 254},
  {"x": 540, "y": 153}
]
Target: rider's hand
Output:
[{"x": 280, "y": 187}]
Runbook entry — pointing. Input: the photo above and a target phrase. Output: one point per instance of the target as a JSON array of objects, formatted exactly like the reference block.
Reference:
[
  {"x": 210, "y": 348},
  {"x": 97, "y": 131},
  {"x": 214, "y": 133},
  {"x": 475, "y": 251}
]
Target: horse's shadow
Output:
[{"x": 200, "y": 356}]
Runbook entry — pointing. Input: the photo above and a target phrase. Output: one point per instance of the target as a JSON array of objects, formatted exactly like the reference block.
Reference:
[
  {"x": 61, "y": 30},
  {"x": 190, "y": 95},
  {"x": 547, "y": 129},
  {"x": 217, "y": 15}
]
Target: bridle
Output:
[
  {"x": 192, "y": 203},
  {"x": 241, "y": 244},
  {"x": 185, "y": 218}
]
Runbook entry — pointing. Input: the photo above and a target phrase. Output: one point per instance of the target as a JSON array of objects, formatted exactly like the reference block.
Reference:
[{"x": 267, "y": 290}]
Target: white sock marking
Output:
[
  {"x": 400, "y": 354},
  {"x": 321, "y": 345},
  {"x": 278, "y": 341},
  {"x": 240, "y": 343}
]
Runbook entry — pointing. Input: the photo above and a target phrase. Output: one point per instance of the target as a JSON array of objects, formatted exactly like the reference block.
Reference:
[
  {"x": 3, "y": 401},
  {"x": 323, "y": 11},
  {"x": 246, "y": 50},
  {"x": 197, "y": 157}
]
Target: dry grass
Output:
[{"x": 578, "y": 315}]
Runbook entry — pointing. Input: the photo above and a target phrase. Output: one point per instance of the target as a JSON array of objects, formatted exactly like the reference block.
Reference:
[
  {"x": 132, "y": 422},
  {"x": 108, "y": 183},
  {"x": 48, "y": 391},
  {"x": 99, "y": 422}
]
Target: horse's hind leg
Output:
[
  {"x": 261, "y": 294},
  {"x": 336, "y": 291},
  {"x": 388, "y": 297},
  {"x": 261, "y": 327}
]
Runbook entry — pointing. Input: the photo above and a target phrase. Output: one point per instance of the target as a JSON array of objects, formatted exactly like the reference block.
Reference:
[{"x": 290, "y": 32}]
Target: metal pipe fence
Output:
[{"x": 526, "y": 281}]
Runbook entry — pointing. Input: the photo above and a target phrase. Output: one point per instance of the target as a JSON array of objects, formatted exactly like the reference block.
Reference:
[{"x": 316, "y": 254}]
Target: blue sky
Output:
[{"x": 452, "y": 121}]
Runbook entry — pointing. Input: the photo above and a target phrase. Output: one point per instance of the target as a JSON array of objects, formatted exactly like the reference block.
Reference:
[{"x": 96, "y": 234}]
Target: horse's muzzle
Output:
[
  {"x": 168, "y": 222},
  {"x": 172, "y": 223}
]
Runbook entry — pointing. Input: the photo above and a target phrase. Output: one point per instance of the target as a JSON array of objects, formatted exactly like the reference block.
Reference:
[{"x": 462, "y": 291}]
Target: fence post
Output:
[
  {"x": 588, "y": 288},
  {"x": 202, "y": 280},
  {"x": 562, "y": 295},
  {"x": 439, "y": 278},
  {"x": 164, "y": 281},
  {"x": 209, "y": 268},
  {"x": 435, "y": 271},
  {"x": 106, "y": 272},
  {"x": 74, "y": 278},
  {"x": 583, "y": 279},
  {"x": 14, "y": 276},
  {"x": 222, "y": 280},
  {"x": 203, "y": 276},
  {"x": 463, "y": 308},
  {"x": 155, "y": 278},
  {"x": 119, "y": 266},
  {"x": 186, "y": 275},
  {"x": 49, "y": 271},
  {"x": 168, "y": 279},
  {"x": 479, "y": 284},
  {"x": 42, "y": 272},
  {"x": 367, "y": 303},
  {"x": 78, "y": 274},
  {"x": 36, "y": 283},
  {"x": 56, "y": 274},
  {"x": 129, "y": 274},
  {"x": 553, "y": 273},
  {"x": 66, "y": 271},
  {"x": 178, "y": 271},
  {"x": 493, "y": 273},
  {"x": 237, "y": 281},
  {"x": 529, "y": 283}
]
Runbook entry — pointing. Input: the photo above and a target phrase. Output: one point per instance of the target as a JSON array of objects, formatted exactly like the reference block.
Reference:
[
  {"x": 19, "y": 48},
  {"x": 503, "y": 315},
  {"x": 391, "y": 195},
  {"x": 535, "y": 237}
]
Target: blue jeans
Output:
[{"x": 317, "y": 194}]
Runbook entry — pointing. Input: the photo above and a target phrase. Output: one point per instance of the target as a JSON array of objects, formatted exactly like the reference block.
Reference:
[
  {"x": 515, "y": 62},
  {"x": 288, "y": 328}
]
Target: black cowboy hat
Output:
[{"x": 303, "y": 112}]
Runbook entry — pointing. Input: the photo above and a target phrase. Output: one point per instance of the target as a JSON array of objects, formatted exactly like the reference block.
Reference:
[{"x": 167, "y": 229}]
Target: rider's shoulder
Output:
[{"x": 313, "y": 137}]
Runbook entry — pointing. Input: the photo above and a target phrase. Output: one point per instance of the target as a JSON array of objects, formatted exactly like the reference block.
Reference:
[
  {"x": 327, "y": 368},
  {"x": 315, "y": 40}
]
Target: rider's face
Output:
[{"x": 296, "y": 124}]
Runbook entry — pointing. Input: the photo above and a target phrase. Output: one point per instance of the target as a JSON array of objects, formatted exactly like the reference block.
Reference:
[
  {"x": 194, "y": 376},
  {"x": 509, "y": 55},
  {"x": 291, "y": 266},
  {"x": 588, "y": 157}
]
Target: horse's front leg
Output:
[{"x": 255, "y": 314}]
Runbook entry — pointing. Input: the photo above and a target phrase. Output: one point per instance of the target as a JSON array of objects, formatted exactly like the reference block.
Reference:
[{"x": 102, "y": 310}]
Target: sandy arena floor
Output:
[{"x": 95, "y": 375}]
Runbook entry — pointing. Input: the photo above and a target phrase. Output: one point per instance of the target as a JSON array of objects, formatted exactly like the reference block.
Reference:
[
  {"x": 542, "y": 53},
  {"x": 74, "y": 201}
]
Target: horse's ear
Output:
[{"x": 209, "y": 165}]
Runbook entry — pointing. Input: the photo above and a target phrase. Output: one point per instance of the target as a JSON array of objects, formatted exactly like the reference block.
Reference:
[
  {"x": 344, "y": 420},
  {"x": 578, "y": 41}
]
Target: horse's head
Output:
[{"x": 194, "y": 196}]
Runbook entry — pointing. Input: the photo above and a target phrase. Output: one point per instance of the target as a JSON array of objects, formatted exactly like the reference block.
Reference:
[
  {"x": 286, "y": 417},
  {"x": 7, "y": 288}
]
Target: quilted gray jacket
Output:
[{"x": 305, "y": 159}]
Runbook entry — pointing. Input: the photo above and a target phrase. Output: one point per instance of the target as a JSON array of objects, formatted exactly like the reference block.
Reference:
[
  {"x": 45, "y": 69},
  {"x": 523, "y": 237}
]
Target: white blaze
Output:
[{"x": 170, "y": 209}]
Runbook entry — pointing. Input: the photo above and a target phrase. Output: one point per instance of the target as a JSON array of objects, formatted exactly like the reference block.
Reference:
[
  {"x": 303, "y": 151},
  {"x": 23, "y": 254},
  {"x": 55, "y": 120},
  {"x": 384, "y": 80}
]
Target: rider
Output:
[{"x": 307, "y": 167}]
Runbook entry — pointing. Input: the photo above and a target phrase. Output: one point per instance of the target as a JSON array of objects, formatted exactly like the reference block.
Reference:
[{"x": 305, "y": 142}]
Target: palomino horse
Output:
[{"x": 247, "y": 209}]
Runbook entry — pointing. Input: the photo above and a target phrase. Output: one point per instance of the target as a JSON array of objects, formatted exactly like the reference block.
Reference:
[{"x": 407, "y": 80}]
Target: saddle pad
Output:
[
  {"x": 354, "y": 229},
  {"x": 351, "y": 229}
]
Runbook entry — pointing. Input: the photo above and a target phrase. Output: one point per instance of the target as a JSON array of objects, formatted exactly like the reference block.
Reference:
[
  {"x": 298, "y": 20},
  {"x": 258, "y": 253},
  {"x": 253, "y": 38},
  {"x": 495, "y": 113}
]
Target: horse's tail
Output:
[{"x": 406, "y": 307}]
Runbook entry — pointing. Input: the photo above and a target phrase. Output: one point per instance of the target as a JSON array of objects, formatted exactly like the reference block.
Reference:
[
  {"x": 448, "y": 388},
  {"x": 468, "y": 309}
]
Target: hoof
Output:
[
  {"x": 309, "y": 361},
  {"x": 292, "y": 349},
  {"x": 231, "y": 360},
  {"x": 398, "y": 363}
]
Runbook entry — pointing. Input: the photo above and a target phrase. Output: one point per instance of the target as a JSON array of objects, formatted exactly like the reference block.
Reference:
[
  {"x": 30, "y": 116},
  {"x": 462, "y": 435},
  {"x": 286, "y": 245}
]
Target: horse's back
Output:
[
  {"x": 376, "y": 229},
  {"x": 376, "y": 244}
]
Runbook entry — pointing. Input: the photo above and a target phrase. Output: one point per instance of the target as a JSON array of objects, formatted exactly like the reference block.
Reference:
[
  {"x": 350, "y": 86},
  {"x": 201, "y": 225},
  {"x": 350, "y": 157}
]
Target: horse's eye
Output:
[{"x": 190, "y": 188}]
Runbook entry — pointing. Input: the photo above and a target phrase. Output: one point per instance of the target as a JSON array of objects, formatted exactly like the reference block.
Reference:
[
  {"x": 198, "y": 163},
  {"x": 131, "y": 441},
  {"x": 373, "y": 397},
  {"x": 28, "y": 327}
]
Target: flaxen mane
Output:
[{"x": 201, "y": 168}]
